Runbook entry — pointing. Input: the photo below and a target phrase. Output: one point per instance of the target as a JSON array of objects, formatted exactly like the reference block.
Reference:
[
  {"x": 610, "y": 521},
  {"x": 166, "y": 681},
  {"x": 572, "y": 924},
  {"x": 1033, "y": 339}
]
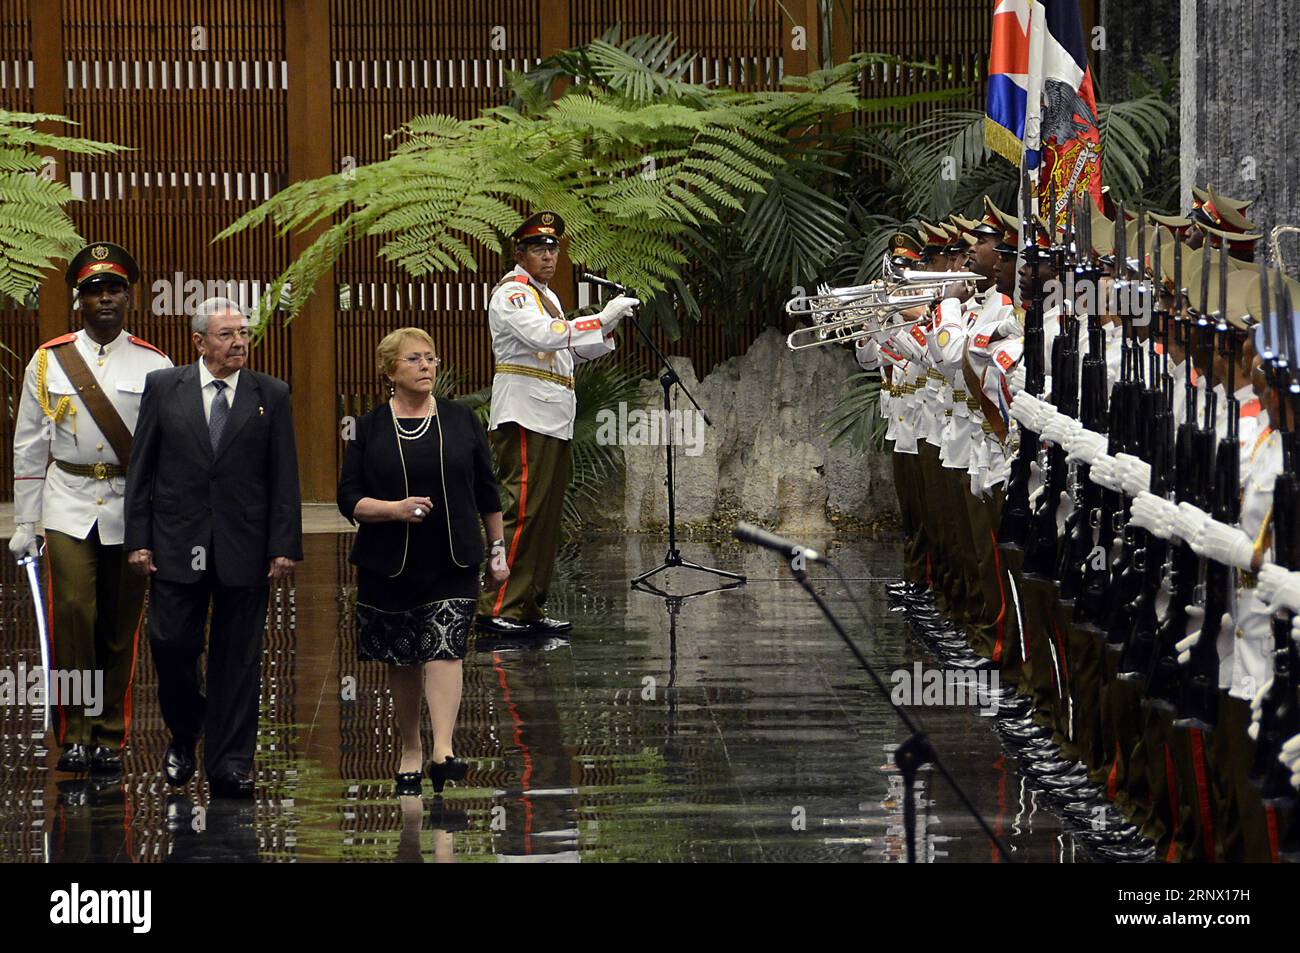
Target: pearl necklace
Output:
[{"x": 419, "y": 431}]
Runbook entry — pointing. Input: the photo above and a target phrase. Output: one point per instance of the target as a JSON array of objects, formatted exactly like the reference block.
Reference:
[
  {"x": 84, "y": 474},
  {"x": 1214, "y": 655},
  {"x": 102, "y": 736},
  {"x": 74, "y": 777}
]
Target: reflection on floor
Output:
[{"x": 731, "y": 726}]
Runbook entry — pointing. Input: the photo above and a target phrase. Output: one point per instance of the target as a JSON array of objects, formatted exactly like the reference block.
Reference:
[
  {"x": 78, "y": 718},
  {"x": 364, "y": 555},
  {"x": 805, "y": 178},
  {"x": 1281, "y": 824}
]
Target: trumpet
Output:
[
  {"x": 1276, "y": 245},
  {"x": 843, "y": 315},
  {"x": 845, "y": 331}
]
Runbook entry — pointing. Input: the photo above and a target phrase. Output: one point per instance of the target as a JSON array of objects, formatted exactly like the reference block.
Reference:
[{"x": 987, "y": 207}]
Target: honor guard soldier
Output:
[
  {"x": 533, "y": 407},
  {"x": 72, "y": 447}
]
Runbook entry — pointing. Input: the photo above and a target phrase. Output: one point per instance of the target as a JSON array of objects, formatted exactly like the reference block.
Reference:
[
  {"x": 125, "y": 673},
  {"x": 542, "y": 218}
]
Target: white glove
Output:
[
  {"x": 1290, "y": 756},
  {"x": 1195, "y": 619},
  {"x": 1060, "y": 428},
  {"x": 867, "y": 353},
  {"x": 1042, "y": 414},
  {"x": 615, "y": 311},
  {"x": 1189, "y": 521},
  {"x": 1136, "y": 475},
  {"x": 23, "y": 541},
  {"x": 1016, "y": 380},
  {"x": 1024, "y": 407},
  {"x": 1278, "y": 587},
  {"x": 1154, "y": 514},
  {"x": 1105, "y": 472},
  {"x": 1009, "y": 328},
  {"x": 1085, "y": 446},
  {"x": 1257, "y": 709},
  {"x": 1224, "y": 544}
]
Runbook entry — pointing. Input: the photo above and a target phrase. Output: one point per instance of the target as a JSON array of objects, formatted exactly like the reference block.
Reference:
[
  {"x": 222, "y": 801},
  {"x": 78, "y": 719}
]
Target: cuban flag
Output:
[
  {"x": 1012, "y": 88},
  {"x": 1041, "y": 107}
]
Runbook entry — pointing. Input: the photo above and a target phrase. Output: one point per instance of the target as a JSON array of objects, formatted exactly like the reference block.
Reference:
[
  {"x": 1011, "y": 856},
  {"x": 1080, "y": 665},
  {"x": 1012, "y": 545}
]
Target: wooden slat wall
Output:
[
  {"x": 208, "y": 132},
  {"x": 393, "y": 60},
  {"x": 212, "y": 129},
  {"x": 18, "y": 326},
  {"x": 953, "y": 35}
]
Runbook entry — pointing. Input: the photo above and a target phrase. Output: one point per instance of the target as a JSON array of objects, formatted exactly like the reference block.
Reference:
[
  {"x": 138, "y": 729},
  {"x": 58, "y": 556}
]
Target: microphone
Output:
[
  {"x": 603, "y": 282},
  {"x": 749, "y": 533}
]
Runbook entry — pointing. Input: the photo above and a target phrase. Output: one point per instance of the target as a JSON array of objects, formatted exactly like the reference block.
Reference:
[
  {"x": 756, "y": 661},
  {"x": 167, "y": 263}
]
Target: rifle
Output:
[
  {"x": 1126, "y": 576},
  {"x": 1102, "y": 504},
  {"x": 1164, "y": 678},
  {"x": 1015, "y": 511},
  {"x": 1041, "y": 543},
  {"x": 1198, "y": 705},
  {"x": 1153, "y": 419},
  {"x": 1286, "y": 651},
  {"x": 1077, "y": 554},
  {"x": 1279, "y": 715}
]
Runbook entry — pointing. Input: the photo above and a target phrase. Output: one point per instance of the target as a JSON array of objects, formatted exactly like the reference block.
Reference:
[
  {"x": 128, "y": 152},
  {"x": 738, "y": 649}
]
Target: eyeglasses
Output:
[
  {"x": 415, "y": 360},
  {"x": 228, "y": 335}
]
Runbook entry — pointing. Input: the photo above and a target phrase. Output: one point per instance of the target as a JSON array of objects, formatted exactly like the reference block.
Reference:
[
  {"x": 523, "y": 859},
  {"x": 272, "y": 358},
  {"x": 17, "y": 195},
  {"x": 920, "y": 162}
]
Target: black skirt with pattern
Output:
[{"x": 391, "y": 629}]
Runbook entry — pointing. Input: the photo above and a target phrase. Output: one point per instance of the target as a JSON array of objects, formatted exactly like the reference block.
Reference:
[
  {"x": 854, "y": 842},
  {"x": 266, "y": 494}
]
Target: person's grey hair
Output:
[{"x": 209, "y": 307}]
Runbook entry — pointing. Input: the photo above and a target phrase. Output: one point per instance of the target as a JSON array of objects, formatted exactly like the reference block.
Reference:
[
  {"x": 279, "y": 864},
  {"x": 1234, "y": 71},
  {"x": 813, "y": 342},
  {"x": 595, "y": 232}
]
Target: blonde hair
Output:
[{"x": 391, "y": 345}]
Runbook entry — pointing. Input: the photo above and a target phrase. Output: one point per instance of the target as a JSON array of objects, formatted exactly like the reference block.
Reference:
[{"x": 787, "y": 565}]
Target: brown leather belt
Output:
[{"x": 100, "y": 471}]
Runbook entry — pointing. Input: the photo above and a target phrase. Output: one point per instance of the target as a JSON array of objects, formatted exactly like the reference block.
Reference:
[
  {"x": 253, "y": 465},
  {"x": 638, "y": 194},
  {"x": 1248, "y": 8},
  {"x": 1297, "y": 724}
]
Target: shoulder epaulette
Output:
[
  {"x": 140, "y": 342},
  {"x": 61, "y": 339},
  {"x": 522, "y": 279}
]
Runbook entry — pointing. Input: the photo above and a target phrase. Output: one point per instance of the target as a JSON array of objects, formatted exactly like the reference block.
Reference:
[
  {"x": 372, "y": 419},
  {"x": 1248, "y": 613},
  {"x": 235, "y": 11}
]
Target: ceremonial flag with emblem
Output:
[{"x": 1041, "y": 109}]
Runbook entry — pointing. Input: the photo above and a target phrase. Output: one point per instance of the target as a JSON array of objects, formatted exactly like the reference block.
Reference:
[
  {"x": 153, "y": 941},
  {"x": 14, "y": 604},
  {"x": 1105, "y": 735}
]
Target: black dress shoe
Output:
[
  {"x": 106, "y": 760},
  {"x": 548, "y": 626},
  {"x": 408, "y": 783},
  {"x": 179, "y": 814},
  {"x": 75, "y": 758},
  {"x": 74, "y": 792},
  {"x": 178, "y": 762},
  {"x": 499, "y": 625},
  {"x": 232, "y": 785},
  {"x": 449, "y": 770}
]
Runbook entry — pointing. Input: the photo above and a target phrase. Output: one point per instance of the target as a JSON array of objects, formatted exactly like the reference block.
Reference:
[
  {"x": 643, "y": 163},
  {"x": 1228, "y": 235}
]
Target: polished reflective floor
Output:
[{"x": 732, "y": 726}]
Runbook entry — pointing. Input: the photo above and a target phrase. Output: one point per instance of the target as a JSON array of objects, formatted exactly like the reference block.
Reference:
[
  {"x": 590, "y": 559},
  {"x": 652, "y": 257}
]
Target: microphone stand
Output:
[
  {"x": 666, "y": 380},
  {"x": 916, "y": 750}
]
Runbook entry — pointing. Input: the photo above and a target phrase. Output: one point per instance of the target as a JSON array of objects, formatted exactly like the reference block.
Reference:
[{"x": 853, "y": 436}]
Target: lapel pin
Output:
[{"x": 260, "y": 411}]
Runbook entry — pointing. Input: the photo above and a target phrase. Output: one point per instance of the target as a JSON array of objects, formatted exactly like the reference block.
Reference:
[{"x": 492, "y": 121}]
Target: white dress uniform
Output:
[
  {"x": 536, "y": 355},
  {"x": 45, "y": 493},
  {"x": 1252, "y": 649}
]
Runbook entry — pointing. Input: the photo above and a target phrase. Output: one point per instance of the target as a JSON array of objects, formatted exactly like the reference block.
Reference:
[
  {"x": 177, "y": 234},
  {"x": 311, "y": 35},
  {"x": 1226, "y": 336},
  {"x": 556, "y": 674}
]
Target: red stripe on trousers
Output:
[
  {"x": 1203, "y": 793},
  {"x": 519, "y": 526},
  {"x": 1002, "y": 597}
]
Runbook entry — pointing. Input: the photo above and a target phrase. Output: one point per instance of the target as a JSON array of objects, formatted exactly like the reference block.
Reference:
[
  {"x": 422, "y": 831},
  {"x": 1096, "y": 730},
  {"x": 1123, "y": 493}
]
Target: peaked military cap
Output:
[
  {"x": 540, "y": 228},
  {"x": 101, "y": 260}
]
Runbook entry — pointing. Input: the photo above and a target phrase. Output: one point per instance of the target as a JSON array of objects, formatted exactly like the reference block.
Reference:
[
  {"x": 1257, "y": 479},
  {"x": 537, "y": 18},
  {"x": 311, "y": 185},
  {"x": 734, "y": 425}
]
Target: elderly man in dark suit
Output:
[{"x": 213, "y": 514}]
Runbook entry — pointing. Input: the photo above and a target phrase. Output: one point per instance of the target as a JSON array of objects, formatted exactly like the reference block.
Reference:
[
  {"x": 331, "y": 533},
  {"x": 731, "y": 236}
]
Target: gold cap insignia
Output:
[
  {"x": 99, "y": 252},
  {"x": 547, "y": 218}
]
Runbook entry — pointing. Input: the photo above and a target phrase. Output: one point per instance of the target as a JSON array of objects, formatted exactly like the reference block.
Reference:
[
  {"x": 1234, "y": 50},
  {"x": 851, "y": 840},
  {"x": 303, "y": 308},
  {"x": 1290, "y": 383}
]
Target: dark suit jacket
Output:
[
  {"x": 372, "y": 467},
  {"x": 241, "y": 504}
]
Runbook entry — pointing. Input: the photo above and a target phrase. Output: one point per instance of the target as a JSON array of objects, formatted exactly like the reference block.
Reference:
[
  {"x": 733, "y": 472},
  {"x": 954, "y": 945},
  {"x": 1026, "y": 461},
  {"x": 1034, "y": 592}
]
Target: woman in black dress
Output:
[{"x": 418, "y": 477}]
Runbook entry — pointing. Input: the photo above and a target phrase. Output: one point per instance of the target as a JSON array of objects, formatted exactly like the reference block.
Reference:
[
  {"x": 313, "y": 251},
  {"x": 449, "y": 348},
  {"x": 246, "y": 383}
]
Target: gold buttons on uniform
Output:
[
  {"x": 99, "y": 446},
  {"x": 99, "y": 500}
]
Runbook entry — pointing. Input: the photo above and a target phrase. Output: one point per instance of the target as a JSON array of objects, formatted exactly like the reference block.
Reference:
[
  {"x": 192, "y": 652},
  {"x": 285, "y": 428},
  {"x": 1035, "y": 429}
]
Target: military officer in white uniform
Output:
[
  {"x": 533, "y": 406},
  {"x": 81, "y": 395}
]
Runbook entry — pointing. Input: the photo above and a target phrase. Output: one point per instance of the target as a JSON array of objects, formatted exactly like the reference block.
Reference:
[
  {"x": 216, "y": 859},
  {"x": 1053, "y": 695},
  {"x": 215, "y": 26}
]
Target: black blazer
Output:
[
  {"x": 241, "y": 504},
  {"x": 372, "y": 467}
]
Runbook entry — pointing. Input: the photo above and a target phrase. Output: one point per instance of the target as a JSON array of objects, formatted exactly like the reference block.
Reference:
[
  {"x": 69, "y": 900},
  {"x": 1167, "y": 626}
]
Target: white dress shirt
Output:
[{"x": 205, "y": 383}]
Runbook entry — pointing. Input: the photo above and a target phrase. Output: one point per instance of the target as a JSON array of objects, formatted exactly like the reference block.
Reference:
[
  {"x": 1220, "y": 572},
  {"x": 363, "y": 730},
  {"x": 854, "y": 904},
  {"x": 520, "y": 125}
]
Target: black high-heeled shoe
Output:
[
  {"x": 449, "y": 770},
  {"x": 408, "y": 783}
]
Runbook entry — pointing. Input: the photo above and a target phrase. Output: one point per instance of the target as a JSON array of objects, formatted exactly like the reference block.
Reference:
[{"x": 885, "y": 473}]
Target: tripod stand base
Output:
[{"x": 674, "y": 560}]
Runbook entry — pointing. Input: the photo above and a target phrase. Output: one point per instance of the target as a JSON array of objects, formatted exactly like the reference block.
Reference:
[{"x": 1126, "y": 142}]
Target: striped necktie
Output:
[{"x": 220, "y": 414}]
